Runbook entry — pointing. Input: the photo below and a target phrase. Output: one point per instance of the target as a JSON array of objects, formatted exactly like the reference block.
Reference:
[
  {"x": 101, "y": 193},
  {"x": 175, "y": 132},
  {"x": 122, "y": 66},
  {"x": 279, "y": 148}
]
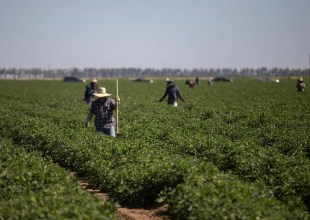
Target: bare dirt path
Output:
[{"x": 123, "y": 213}]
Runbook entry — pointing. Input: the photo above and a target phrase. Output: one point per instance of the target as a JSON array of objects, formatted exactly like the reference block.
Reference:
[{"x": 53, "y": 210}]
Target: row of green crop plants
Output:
[
  {"x": 33, "y": 188},
  {"x": 219, "y": 155}
]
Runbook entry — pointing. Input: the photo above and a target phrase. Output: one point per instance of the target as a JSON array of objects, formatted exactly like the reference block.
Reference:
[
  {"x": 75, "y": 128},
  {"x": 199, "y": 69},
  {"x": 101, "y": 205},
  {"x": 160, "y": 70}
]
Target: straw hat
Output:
[
  {"x": 101, "y": 93},
  {"x": 94, "y": 80},
  {"x": 301, "y": 79}
]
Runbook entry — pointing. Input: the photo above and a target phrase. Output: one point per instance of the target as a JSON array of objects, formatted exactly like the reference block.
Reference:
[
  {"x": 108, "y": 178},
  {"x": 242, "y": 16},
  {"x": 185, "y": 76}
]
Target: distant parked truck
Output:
[
  {"x": 269, "y": 79},
  {"x": 73, "y": 79},
  {"x": 143, "y": 80},
  {"x": 220, "y": 79}
]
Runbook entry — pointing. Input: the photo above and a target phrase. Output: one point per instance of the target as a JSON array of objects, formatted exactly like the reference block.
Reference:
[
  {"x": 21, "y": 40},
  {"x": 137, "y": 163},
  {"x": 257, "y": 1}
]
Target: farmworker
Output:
[
  {"x": 173, "y": 93},
  {"x": 190, "y": 83},
  {"x": 210, "y": 82},
  {"x": 90, "y": 89},
  {"x": 300, "y": 85},
  {"x": 102, "y": 107},
  {"x": 197, "y": 80}
]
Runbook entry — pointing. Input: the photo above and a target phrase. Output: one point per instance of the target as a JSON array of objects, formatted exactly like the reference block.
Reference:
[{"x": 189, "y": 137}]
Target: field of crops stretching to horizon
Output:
[{"x": 235, "y": 150}]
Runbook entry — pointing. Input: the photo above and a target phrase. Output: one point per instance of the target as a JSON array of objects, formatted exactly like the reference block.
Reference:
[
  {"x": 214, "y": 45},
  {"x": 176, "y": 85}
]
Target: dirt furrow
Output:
[{"x": 124, "y": 213}]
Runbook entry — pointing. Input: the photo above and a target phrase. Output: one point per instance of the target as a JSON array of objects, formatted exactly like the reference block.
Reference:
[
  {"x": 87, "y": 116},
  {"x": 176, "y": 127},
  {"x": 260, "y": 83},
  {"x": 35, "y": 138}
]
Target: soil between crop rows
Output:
[{"x": 124, "y": 213}]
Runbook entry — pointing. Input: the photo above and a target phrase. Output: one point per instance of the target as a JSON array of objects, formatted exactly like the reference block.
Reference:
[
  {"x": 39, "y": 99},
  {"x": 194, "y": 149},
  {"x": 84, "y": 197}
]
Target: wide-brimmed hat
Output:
[
  {"x": 301, "y": 79},
  {"x": 102, "y": 92},
  {"x": 94, "y": 80}
]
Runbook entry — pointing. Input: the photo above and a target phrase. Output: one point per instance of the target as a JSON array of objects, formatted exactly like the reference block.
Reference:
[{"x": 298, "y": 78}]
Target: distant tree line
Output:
[{"x": 38, "y": 73}]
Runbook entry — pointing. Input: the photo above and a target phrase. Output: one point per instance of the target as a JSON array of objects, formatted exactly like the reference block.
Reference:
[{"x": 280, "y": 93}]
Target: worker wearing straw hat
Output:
[
  {"x": 300, "y": 85},
  {"x": 103, "y": 108},
  {"x": 90, "y": 89}
]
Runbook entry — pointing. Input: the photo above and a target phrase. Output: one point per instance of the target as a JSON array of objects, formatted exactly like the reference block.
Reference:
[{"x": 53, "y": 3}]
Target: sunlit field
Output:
[{"x": 235, "y": 150}]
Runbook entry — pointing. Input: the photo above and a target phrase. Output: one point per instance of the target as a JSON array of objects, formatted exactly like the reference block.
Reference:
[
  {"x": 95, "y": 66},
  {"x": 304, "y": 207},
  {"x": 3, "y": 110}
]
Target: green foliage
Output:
[
  {"x": 33, "y": 188},
  {"x": 253, "y": 136},
  {"x": 209, "y": 194}
]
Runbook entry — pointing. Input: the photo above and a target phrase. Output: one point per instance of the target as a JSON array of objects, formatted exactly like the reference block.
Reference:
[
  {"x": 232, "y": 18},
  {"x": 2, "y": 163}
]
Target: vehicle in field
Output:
[
  {"x": 221, "y": 79},
  {"x": 143, "y": 80},
  {"x": 72, "y": 79},
  {"x": 269, "y": 79}
]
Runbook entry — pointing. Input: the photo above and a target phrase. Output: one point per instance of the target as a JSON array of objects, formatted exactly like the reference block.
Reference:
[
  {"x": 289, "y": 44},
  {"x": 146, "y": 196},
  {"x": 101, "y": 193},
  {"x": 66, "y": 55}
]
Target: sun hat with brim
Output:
[
  {"x": 94, "y": 80},
  {"x": 101, "y": 93}
]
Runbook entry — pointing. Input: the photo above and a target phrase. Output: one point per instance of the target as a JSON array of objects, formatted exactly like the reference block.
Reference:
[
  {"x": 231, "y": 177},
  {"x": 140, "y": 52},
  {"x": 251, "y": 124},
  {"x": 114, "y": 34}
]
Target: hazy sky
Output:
[{"x": 154, "y": 33}]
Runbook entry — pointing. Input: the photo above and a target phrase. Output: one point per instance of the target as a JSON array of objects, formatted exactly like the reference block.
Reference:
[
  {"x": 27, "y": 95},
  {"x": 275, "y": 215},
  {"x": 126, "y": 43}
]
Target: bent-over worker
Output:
[{"x": 300, "y": 85}]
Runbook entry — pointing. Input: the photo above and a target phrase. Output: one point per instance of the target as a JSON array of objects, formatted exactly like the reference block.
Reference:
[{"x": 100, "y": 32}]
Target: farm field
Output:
[
  {"x": 232, "y": 151},
  {"x": 34, "y": 188}
]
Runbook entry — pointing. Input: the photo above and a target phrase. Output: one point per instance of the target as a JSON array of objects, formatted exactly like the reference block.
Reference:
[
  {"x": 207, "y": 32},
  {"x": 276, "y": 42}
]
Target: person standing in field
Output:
[
  {"x": 210, "y": 82},
  {"x": 90, "y": 89},
  {"x": 102, "y": 107},
  {"x": 173, "y": 93},
  {"x": 300, "y": 85},
  {"x": 197, "y": 80}
]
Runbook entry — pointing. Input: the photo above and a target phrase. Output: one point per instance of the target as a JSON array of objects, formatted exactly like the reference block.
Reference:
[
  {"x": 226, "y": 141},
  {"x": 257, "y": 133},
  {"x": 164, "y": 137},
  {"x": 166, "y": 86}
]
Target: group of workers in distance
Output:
[{"x": 102, "y": 106}]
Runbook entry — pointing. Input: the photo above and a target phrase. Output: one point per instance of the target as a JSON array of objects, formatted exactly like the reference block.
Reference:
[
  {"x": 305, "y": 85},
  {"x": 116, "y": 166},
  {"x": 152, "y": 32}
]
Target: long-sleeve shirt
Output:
[
  {"x": 90, "y": 89},
  {"x": 103, "y": 111},
  {"x": 173, "y": 94}
]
